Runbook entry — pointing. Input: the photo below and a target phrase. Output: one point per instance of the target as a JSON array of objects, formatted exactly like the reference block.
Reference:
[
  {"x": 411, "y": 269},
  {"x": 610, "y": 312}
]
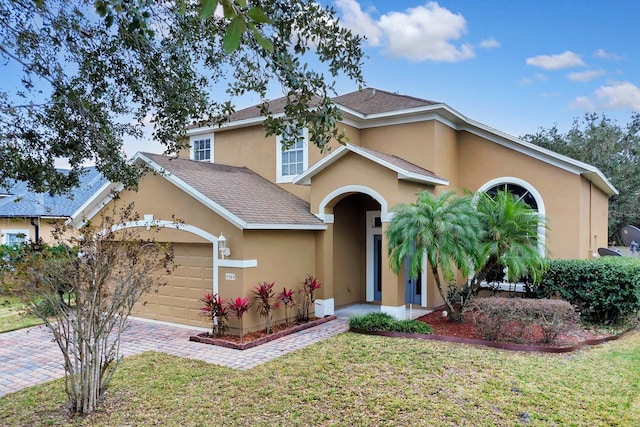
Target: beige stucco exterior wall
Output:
[
  {"x": 594, "y": 210},
  {"x": 412, "y": 141},
  {"x": 446, "y": 155},
  {"x": 284, "y": 257}
]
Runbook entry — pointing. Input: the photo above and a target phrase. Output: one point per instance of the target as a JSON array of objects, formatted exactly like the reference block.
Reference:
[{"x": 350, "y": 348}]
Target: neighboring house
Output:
[
  {"x": 27, "y": 215},
  {"x": 288, "y": 214}
]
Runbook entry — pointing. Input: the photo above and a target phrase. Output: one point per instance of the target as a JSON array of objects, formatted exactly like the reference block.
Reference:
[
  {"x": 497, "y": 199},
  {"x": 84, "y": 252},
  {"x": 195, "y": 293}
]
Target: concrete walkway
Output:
[{"x": 29, "y": 356}]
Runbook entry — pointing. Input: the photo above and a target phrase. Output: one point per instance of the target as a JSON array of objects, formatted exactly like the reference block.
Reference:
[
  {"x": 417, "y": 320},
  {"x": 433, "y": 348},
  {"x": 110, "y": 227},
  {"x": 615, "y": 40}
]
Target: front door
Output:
[
  {"x": 377, "y": 267},
  {"x": 374, "y": 257},
  {"x": 412, "y": 287}
]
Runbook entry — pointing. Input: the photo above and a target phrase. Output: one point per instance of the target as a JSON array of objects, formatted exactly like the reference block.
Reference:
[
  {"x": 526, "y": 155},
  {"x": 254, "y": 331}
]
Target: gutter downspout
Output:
[{"x": 36, "y": 229}]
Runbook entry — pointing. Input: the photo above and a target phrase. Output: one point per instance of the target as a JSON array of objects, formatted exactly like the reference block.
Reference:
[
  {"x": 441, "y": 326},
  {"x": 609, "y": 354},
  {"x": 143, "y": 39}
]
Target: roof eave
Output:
[
  {"x": 94, "y": 204},
  {"x": 309, "y": 227},
  {"x": 421, "y": 179}
]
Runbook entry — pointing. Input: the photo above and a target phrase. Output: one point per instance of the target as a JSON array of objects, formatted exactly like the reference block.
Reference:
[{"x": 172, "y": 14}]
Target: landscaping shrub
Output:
[
  {"x": 522, "y": 320},
  {"x": 45, "y": 308},
  {"x": 266, "y": 303},
  {"x": 217, "y": 311},
  {"x": 309, "y": 286},
  {"x": 385, "y": 322},
  {"x": 605, "y": 291}
]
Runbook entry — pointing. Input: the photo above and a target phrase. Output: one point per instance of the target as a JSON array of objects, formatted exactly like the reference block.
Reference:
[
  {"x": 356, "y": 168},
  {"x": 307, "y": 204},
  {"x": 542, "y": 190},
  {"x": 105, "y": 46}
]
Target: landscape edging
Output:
[{"x": 494, "y": 344}]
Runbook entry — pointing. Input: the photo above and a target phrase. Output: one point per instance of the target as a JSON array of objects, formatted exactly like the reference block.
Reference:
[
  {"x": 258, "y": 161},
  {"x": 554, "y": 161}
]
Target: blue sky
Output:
[{"x": 513, "y": 65}]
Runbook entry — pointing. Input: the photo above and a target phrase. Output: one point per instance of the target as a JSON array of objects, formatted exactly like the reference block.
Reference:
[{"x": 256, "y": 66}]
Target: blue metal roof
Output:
[{"x": 19, "y": 201}]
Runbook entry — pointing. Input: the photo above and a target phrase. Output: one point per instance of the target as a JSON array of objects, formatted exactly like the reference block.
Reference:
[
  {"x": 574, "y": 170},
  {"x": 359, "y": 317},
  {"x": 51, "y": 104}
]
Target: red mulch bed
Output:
[
  {"x": 468, "y": 330},
  {"x": 253, "y": 339}
]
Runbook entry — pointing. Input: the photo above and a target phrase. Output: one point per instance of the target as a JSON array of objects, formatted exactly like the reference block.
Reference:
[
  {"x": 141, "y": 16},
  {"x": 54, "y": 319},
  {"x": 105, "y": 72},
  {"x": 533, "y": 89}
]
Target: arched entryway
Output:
[{"x": 360, "y": 268}]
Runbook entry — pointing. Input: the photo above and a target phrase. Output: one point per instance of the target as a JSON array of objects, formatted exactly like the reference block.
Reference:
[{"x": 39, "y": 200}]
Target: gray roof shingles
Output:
[
  {"x": 247, "y": 195},
  {"x": 21, "y": 202},
  {"x": 400, "y": 163}
]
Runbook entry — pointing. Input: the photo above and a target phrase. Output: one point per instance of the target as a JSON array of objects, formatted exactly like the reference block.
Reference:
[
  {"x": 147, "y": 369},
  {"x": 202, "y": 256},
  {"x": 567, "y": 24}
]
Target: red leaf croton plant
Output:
[
  {"x": 266, "y": 303},
  {"x": 286, "y": 297},
  {"x": 309, "y": 286},
  {"x": 239, "y": 307},
  {"x": 215, "y": 308}
]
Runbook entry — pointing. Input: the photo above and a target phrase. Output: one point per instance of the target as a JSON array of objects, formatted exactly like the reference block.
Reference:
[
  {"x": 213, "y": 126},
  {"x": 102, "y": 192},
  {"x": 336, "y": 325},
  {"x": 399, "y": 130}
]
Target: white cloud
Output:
[
  {"x": 619, "y": 95},
  {"x": 583, "y": 103},
  {"x": 585, "y": 76},
  {"x": 358, "y": 21},
  {"x": 425, "y": 33},
  {"x": 538, "y": 77},
  {"x": 421, "y": 33},
  {"x": 490, "y": 43},
  {"x": 602, "y": 54},
  {"x": 566, "y": 59}
]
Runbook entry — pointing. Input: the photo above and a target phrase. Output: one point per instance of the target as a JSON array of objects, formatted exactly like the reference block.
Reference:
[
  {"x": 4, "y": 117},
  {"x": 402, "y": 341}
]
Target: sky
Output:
[{"x": 517, "y": 66}]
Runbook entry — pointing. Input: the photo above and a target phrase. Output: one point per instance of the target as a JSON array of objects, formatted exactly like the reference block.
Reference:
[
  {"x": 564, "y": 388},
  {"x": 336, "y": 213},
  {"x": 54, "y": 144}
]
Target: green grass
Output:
[
  {"x": 358, "y": 380},
  {"x": 13, "y": 315}
]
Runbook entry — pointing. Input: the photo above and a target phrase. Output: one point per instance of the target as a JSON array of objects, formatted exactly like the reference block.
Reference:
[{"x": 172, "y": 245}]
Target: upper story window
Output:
[
  {"x": 202, "y": 148},
  {"x": 14, "y": 237},
  {"x": 294, "y": 160}
]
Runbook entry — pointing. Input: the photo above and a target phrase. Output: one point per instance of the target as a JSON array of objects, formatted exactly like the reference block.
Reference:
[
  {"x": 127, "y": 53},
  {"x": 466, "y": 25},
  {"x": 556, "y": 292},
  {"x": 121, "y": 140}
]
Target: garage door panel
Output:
[{"x": 178, "y": 301}]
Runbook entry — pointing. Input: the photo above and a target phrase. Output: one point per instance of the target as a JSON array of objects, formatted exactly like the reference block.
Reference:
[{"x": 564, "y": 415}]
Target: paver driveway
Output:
[{"x": 29, "y": 356}]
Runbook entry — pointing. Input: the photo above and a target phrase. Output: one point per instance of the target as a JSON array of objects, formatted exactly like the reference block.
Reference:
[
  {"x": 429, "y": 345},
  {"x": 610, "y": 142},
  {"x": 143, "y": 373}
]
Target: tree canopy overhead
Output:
[
  {"x": 614, "y": 149},
  {"x": 87, "y": 74}
]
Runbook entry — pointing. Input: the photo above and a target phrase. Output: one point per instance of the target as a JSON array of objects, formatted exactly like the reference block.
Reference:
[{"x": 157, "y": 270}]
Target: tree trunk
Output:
[{"x": 454, "y": 313}]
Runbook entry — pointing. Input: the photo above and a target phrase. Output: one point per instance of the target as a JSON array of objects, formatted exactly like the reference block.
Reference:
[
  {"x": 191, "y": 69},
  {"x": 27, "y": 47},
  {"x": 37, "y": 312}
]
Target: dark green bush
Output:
[
  {"x": 45, "y": 308},
  {"x": 385, "y": 322},
  {"x": 605, "y": 291}
]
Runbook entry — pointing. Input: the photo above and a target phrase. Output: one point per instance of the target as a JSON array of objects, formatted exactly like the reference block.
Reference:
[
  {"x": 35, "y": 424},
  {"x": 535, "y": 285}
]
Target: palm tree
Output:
[
  {"x": 510, "y": 239},
  {"x": 445, "y": 229}
]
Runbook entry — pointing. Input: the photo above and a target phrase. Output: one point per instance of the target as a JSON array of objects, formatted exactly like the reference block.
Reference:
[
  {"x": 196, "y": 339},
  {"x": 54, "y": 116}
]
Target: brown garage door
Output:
[{"x": 178, "y": 301}]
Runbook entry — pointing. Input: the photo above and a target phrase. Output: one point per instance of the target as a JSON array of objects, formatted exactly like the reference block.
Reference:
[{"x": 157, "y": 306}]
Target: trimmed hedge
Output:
[
  {"x": 385, "y": 322},
  {"x": 522, "y": 320},
  {"x": 605, "y": 290}
]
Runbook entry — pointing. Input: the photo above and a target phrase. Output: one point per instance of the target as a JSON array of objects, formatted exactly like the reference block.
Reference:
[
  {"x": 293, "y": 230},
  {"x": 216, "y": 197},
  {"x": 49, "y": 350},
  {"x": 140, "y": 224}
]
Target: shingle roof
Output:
[
  {"x": 24, "y": 203},
  {"x": 373, "y": 101},
  {"x": 400, "y": 163},
  {"x": 404, "y": 168},
  {"x": 247, "y": 195},
  {"x": 366, "y": 101}
]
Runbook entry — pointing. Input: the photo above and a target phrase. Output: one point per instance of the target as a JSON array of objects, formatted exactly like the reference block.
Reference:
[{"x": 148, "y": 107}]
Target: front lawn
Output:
[
  {"x": 359, "y": 380},
  {"x": 13, "y": 315}
]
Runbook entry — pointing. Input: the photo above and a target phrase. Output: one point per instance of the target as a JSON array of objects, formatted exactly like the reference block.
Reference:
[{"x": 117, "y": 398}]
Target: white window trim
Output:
[
  {"x": 198, "y": 138},
  {"x": 281, "y": 179},
  {"x": 5, "y": 234}
]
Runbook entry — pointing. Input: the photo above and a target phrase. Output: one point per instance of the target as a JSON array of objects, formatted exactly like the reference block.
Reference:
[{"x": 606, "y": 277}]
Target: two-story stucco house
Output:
[{"x": 286, "y": 214}]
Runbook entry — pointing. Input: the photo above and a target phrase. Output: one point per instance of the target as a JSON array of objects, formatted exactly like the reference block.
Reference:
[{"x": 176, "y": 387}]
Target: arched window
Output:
[
  {"x": 526, "y": 192},
  {"x": 520, "y": 192}
]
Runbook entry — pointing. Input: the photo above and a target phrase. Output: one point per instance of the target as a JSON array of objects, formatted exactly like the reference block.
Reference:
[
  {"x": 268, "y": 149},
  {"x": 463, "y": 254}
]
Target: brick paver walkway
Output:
[{"x": 29, "y": 356}]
